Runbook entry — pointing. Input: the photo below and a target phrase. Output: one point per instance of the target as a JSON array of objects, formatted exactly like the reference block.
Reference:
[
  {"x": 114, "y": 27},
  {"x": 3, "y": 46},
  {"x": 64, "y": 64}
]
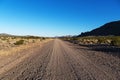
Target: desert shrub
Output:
[
  {"x": 20, "y": 42},
  {"x": 43, "y": 38},
  {"x": 101, "y": 40},
  {"x": 33, "y": 41},
  {"x": 113, "y": 43},
  {"x": 116, "y": 41}
]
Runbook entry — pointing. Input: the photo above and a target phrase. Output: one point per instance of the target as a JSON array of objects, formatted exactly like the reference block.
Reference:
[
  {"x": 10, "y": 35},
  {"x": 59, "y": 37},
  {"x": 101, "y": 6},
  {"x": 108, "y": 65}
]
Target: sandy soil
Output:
[{"x": 59, "y": 60}]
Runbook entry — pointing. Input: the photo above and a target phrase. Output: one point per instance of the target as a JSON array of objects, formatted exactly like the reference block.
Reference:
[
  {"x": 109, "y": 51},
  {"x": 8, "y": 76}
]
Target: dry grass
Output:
[{"x": 12, "y": 49}]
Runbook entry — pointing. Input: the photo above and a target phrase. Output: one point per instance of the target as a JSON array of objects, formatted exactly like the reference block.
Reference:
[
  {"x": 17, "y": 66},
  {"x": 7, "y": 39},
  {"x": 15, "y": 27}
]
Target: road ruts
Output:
[{"x": 57, "y": 60}]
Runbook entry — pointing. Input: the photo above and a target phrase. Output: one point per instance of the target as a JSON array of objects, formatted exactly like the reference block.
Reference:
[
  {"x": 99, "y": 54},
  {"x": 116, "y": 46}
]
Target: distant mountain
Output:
[
  {"x": 112, "y": 28},
  {"x": 4, "y": 34},
  {"x": 9, "y": 35}
]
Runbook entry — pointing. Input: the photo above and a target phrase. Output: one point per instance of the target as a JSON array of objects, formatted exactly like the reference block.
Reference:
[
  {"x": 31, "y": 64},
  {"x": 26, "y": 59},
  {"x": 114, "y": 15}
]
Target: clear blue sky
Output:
[{"x": 55, "y": 17}]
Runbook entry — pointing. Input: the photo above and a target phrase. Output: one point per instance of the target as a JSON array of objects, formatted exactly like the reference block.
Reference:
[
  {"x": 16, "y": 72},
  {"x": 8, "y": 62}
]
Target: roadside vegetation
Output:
[
  {"x": 12, "y": 41},
  {"x": 20, "y": 42},
  {"x": 106, "y": 40},
  {"x": 107, "y": 44}
]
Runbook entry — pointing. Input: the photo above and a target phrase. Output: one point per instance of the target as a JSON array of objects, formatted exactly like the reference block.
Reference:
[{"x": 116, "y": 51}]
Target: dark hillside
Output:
[{"x": 112, "y": 28}]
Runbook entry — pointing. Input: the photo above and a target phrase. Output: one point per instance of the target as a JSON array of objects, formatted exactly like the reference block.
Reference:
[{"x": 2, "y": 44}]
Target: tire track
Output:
[
  {"x": 28, "y": 68},
  {"x": 56, "y": 60}
]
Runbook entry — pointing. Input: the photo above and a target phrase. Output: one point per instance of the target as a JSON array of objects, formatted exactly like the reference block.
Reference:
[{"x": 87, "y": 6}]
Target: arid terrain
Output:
[{"x": 55, "y": 59}]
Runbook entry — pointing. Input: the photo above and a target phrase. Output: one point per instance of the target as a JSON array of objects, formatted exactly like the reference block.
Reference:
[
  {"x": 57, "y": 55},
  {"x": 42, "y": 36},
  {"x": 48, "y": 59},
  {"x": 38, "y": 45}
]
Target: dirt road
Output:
[{"x": 59, "y": 60}]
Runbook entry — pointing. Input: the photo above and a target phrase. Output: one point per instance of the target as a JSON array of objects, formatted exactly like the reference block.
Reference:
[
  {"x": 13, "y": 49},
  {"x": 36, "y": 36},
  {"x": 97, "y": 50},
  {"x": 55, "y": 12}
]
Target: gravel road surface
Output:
[{"x": 60, "y": 60}]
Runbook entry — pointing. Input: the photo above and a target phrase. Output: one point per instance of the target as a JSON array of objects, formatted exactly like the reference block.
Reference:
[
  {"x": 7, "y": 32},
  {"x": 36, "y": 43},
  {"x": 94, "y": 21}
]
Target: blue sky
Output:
[{"x": 55, "y": 17}]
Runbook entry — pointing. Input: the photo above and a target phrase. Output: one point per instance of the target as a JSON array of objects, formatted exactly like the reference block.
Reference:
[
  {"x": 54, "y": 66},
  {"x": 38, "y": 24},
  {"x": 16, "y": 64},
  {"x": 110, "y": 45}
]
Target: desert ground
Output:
[{"x": 56, "y": 59}]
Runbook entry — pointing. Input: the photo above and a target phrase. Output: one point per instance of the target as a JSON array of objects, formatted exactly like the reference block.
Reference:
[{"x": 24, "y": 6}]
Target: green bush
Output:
[{"x": 20, "y": 42}]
